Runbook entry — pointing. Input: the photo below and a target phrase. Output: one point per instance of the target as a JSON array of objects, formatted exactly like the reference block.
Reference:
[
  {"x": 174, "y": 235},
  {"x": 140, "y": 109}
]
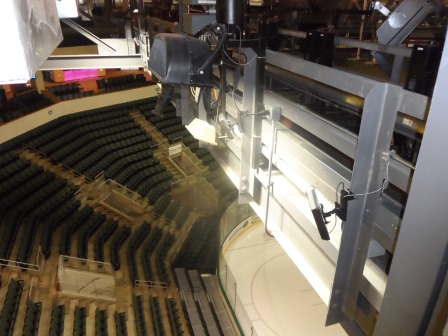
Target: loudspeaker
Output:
[{"x": 175, "y": 59}]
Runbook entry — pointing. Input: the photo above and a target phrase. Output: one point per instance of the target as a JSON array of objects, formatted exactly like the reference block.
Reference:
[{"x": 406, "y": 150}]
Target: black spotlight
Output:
[{"x": 177, "y": 59}]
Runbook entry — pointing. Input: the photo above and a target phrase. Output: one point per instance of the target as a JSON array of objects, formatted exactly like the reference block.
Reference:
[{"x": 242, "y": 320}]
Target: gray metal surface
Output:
[
  {"x": 412, "y": 104},
  {"x": 367, "y": 45},
  {"x": 403, "y": 20},
  {"x": 92, "y": 37},
  {"x": 370, "y": 168},
  {"x": 250, "y": 124},
  {"x": 202, "y": 299},
  {"x": 218, "y": 306},
  {"x": 336, "y": 136},
  {"x": 292, "y": 33},
  {"x": 91, "y": 61},
  {"x": 420, "y": 260},
  {"x": 187, "y": 297}
]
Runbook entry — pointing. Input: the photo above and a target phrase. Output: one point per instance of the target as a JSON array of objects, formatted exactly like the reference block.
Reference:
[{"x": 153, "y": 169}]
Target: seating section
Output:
[
  {"x": 172, "y": 210},
  {"x": 122, "y": 83},
  {"x": 10, "y": 232},
  {"x": 195, "y": 244},
  {"x": 148, "y": 248},
  {"x": 10, "y": 307},
  {"x": 161, "y": 205},
  {"x": 52, "y": 221},
  {"x": 134, "y": 243},
  {"x": 32, "y": 319},
  {"x": 103, "y": 235},
  {"x": 79, "y": 324},
  {"x": 72, "y": 224},
  {"x": 70, "y": 91},
  {"x": 162, "y": 252},
  {"x": 57, "y": 320},
  {"x": 116, "y": 243},
  {"x": 141, "y": 328},
  {"x": 173, "y": 314},
  {"x": 101, "y": 323},
  {"x": 22, "y": 104},
  {"x": 86, "y": 231},
  {"x": 157, "y": 318},
  {"x": 28, "y": 196},
  {"x": 120, "y": 324},
  {"x": 36, "y": 202}
]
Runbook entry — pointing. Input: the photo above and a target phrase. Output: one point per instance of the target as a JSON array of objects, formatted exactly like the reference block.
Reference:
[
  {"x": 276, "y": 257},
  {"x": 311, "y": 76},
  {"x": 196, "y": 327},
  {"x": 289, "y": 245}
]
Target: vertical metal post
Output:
[
  {"x": 420, "y": 261},
  {"x": 361, "y": 29},
  {"x": 377, "y": 124},
  {"x": 251, "y": 122}
]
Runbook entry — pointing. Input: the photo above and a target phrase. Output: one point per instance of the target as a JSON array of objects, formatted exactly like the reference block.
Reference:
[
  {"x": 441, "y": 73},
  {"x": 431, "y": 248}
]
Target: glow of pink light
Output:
[{"x": 80, "y": 74}]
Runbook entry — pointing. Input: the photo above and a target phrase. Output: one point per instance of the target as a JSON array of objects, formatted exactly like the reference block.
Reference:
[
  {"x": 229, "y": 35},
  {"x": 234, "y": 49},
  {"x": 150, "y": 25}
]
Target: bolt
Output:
[
  {"x": 244, "y": 179},
  {"x": 243, "y": 188}
]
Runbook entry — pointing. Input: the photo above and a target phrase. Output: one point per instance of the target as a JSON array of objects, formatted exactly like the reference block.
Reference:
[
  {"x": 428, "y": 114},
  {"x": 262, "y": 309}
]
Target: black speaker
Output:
[
  {"x": 423, "y": 68},
  {"x": 176, "y": 59}
]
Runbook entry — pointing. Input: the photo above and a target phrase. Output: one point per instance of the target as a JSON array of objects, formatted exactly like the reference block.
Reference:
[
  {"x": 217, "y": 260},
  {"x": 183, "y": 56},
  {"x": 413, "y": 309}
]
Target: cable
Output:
[
  {"x": 335, "y": 222},
  {"x": 383, "y": 187},
  {"x": 335, "y": 215}
]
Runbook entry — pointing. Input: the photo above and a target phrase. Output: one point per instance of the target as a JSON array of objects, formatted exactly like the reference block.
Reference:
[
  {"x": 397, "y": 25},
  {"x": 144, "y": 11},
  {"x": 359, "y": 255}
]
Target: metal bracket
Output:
[
  {"x": 92, "y": 37},
  {"x": 251, "y": 124},
  {"x": 369, "y": 171}
]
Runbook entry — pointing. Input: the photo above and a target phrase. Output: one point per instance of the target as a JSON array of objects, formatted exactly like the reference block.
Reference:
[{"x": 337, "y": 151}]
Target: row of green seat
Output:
[
  {"x": 182, "y": 217},
  {"x": 136, "y": 240},
  {"x": 10, "y": 307},
  {"x": 32, "y": 319},
  {"x": 10, "y": 230},
  {"x": 139, "y": 311},
  {"x": 172, "y": 210},
  {"x": 141, "y": 176},
  {"x": 102, "y": 236},
  {"x": 116, "y": 243},
  {"x": 148, "y": 248},
  {"x": 162, "y": 252},
  {"x": 72, "y": 224},
  {"x": 79, "y": 324},
  {"x": 157, "y": 317},
  {"x": 134, "y": 169},
  {"x": 101, "y": 323},
  {"x": 127, "y": 158},
  {"x": 161, "y": 204},
  {"x": 158, "y": 190},
  {"x": 153, "y": 182},
  {"x": 86, "y": 231},
  {"x": 52, "y": 221},
  {"x": 120, "y": 324},
  {"x": 173, "y": 314}
]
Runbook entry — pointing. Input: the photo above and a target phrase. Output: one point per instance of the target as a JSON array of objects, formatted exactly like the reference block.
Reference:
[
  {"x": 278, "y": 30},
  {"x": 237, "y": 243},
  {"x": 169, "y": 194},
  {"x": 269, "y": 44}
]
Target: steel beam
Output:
[
  {"x": 91, "y": 62},
  {"x": 250, "y": 122},
  {"x": 369, "y": 171},
  {"x": 92, "y": 37},
  {"x": 367, "y": 45},
  {"x": 413, "y": 104},
  {"x": 420, "y": 260}
]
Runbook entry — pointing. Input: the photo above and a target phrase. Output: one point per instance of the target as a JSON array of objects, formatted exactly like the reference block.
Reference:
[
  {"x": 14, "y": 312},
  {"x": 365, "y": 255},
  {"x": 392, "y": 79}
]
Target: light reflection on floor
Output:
[{"x": 276, "y": 296}]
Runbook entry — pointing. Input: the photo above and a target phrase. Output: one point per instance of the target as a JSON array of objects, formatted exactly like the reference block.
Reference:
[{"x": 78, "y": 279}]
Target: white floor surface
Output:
[{"x": 276, "y": 296}]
